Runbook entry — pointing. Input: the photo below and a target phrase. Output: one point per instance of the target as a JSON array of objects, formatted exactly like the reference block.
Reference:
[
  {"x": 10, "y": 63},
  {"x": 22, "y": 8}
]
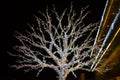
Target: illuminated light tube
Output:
[
  {"x": 111, "y": 8},
  {"x": 99, "y": 27},
  {"x": 101, "y": 22},
  {"x": 106, "y": 38}
]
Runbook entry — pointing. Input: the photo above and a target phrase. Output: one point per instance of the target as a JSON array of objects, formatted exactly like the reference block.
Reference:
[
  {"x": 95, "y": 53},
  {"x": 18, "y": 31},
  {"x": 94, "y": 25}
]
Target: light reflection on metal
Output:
[{"x": 110, "y": 17}]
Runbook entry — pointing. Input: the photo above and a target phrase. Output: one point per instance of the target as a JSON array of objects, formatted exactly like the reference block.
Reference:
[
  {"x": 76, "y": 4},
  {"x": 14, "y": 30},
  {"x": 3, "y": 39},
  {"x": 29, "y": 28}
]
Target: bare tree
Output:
[{"x": 60, "y": 42}]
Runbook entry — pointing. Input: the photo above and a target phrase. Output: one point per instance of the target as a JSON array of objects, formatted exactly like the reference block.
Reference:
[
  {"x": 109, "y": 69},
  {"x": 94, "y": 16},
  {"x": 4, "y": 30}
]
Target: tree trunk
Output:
[{"x": 62, "y": 78}]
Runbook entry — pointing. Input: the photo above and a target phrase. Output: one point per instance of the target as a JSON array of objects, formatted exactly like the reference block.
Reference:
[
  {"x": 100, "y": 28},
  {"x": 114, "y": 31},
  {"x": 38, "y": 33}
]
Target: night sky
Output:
[{"x": 16, "y": 15}]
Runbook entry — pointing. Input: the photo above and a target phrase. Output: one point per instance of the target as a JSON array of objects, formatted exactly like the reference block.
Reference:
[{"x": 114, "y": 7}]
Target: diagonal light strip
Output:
[
  {"x": 101, "y": 22},
  {"x": 108, "y": 34}
]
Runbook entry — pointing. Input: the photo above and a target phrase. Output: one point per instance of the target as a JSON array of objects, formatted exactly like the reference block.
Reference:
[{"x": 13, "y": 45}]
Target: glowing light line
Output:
[
  {"x": 99, "y": 27},
  {"x": 99, "y": 30},
  {"x": 108, "y": 34}
]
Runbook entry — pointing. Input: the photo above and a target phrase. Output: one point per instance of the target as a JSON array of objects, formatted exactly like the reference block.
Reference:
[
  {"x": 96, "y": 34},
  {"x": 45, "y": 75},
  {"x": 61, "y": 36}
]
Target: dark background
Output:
[{"x": 16, "y": 14}]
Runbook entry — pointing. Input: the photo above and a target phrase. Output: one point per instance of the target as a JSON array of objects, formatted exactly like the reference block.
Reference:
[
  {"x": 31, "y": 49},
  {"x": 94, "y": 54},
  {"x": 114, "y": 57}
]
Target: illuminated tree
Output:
[{"x": 60, "y": 42}]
